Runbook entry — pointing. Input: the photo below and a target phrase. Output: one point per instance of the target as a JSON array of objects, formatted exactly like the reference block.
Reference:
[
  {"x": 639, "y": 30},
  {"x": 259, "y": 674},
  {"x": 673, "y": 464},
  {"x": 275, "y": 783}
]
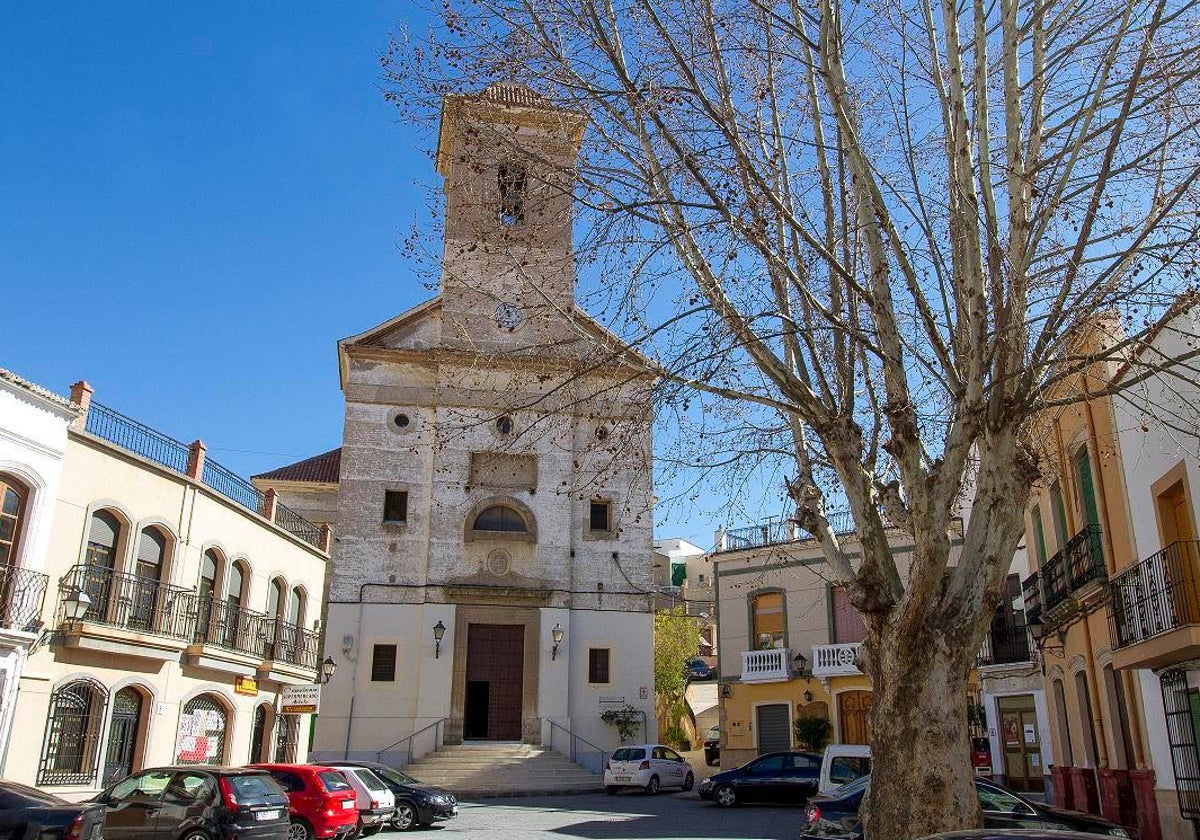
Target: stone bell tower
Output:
[{"x": 507, "y": 157}]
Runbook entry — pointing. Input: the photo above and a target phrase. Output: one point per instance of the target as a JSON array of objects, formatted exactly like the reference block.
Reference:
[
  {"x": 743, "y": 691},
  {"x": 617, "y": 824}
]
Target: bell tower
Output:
[{"x": 506, "y": 156}]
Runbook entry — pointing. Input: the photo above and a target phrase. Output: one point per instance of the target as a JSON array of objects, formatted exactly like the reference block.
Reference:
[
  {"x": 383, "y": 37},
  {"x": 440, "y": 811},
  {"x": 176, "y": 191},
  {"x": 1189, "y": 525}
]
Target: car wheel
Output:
[
  {"x": 299, "y": 830},
  {"x": 405, "y": 816},
  {"x": 725, "y": 796},
  {"x": 611, "y": 790},
  {"x": 689, "y": 782},
  {"x": 652, "y": 785},
  {"x": 195, "y": 834}
]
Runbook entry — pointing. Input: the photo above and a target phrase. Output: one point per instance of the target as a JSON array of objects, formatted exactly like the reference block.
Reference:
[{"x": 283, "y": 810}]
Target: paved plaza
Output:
[{"x": 627, "y": 815}]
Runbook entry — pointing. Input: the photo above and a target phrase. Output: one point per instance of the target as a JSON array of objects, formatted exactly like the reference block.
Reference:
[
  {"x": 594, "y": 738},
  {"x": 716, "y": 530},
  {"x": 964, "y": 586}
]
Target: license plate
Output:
[
  {"x": 263, "y": 816},
  {"x": 347, "y": 804},
  {"x": 623, "y": 778}
]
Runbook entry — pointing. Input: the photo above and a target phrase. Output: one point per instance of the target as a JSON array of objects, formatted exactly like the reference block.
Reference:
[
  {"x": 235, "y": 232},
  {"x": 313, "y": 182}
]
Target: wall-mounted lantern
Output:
[
  {"x": 439, "y": 630},
  {"x": 557, "y": 635}
]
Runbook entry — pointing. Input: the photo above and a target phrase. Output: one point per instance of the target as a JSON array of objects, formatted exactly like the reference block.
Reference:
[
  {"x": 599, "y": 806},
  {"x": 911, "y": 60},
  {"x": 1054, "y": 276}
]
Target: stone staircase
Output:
[{"x": 503, "y": 769}]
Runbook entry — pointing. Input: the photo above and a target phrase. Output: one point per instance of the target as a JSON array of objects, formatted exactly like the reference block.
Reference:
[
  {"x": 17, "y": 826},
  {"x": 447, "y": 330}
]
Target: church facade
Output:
[{"x": 491, "y": 567}]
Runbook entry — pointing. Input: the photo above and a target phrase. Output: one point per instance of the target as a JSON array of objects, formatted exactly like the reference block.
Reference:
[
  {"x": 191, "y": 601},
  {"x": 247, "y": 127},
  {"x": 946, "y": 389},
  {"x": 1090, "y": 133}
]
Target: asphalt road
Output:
[{"x": 626, "y": 815}]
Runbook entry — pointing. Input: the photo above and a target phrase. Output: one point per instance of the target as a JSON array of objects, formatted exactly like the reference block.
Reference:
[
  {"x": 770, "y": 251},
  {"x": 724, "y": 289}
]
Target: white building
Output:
[{"x": 491, "y": 570}]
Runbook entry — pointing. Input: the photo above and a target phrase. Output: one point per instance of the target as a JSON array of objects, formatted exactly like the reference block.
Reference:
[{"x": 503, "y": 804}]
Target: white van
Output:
[{"x": 843, "y": 763}]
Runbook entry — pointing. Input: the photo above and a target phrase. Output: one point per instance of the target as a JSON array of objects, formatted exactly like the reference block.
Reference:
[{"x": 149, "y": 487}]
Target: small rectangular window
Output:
[
  {"x": 510, "y": 178},
  {"x": 383, "y": 663},
  {"x": 395, "y": 506},
  {"x": 598, "y": 665},
  {"x": 600, "y": 515}
]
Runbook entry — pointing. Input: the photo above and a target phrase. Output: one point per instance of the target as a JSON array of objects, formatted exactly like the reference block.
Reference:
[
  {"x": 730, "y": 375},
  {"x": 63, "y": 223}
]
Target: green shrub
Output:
[{"x": 812, "y": 733}]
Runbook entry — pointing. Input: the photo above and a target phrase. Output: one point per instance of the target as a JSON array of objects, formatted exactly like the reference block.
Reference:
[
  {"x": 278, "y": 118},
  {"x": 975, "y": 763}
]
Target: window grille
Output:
[
  {"x": 202, "y": 726},
  {"x": 1181, "y": 735},
  {"x": 598, "y": 661},
  {"x": 287, "y": 735},
  {"x": 510, "y": 178},
  {"x": 72, "y": 743}
]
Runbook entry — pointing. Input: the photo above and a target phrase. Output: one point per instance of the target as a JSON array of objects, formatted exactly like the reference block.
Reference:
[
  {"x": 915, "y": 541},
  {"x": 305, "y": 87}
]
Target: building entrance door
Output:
[
  {"x": 854, "y": 707},
  {"x": 774, "y": 728},
  {"x": 1021, "y": 740},
  {"x": 495, "y": 682},
  {"x": 122, "y": 735}
]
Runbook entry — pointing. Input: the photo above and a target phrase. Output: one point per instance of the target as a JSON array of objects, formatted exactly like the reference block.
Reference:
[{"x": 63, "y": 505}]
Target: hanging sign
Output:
[
  {"x": 245, "y": 685},
  {"x": 300, "y": 700}
]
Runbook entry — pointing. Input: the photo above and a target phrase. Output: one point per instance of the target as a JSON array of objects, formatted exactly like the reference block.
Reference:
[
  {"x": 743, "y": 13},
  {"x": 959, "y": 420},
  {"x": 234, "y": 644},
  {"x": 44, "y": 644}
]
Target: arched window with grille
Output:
[
  {"x": 14, "y": 496},
  {"x": 286, "y": 738},
  {"x": 122, "y": 756},
  {"x": 210, "y": 566},
  {"x": 143, "y": 589},
  {"x": 500, "y": 518},
  {"x": 202, "y": 731},
  {"x": 72, "y": 743}
]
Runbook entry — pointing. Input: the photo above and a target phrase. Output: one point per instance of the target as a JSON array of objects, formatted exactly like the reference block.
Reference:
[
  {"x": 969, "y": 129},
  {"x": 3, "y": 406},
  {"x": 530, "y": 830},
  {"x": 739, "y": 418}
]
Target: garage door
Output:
[{"x": 774, "y": 728}]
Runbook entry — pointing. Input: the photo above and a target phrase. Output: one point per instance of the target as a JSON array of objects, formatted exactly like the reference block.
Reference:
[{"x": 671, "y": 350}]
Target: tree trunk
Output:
[{"x": 919, "y": 739}]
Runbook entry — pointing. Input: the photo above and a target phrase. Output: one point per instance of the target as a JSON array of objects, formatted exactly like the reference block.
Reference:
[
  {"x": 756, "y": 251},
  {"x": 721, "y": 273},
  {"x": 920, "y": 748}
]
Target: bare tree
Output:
[{"x": 866, "y": 234}]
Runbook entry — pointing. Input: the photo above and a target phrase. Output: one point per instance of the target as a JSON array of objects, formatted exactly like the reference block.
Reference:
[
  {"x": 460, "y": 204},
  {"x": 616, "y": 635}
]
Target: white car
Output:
[
  {"x": 842, "y": 764},
  {"x": 376, "y": 802},
  {"x": 647, "y": 766}
]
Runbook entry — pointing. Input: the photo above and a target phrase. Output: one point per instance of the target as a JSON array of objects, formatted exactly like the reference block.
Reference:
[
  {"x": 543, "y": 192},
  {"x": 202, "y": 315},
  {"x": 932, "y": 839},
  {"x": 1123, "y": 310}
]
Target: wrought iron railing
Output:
[
  {"x": 22, "y": 595},
  {"x": 129, "y": 601},
  {"x": 1006, "y": 644},
  {"x": 1158, "y": 595},
  {"x": 410, "y": 743},
  {"x": 782, "y": 531},
  {"x": 294, "y": 523},
  {"x": 1080, "y": 562},
  {"x": 140, "y": 439},
  {"x": 579, "y": 750},
  {"x": 230, "y": 626},
  {"x": 286, "y": 642},
  {"x": 1031, "y": 592}
]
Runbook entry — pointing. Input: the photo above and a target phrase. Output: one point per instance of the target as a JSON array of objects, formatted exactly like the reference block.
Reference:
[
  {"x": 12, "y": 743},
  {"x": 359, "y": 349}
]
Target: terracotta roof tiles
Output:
[{"x": 319, "y": 469}]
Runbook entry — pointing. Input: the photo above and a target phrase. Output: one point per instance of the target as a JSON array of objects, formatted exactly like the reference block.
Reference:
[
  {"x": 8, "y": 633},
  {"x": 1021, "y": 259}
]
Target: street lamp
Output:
[
  {"x": 557, "y": 635},
  {"x": 327, "y": 669},
  {"x": 800, "y": 663},
  {"x": 76, "y": 605},
  {"x": 439, "y": 630}
]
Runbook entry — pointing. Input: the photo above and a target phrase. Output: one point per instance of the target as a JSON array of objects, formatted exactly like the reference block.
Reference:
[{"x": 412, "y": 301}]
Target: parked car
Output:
[
  {"x": 416, "y": 802},
  {"x": 322, "y": 802},
  {"x": 774, "y": 777},
  {"x": 199, "y": 802},
  {"x": 697, "y": 669},
  {"x": 647, "y": 766},
  {"x": 843, "y": 763},
  {"x": 836, "y": 815},
  {"x": 712, "y": 746},
  {"x": 28, "y": 812},
  {"x": 376, "y": 804}
]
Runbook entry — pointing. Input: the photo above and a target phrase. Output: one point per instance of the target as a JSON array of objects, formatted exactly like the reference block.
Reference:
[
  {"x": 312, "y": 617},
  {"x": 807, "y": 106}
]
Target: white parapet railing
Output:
[
  {"x": 836, "y": 660},
  {"x": 773, "y": 665}
]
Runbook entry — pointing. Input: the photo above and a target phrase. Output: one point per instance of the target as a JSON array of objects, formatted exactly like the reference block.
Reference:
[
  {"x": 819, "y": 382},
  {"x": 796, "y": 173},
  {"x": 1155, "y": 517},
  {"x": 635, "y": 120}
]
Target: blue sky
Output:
[{"x": 196, "y": 202}]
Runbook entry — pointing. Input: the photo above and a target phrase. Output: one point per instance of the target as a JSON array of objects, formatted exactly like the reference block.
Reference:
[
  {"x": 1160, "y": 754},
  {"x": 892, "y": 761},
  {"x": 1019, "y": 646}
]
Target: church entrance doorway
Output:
[{"x": 495, "y": 679}]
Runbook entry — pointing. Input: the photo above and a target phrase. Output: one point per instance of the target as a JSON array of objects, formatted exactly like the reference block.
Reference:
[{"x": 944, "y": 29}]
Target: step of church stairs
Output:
[{"x": 470, "y": 771}]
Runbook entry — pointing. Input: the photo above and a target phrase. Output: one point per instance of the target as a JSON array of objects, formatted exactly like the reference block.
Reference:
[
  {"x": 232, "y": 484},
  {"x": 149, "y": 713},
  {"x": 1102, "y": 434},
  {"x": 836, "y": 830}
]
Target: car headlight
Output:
[{"x": 1117, "y": 832}]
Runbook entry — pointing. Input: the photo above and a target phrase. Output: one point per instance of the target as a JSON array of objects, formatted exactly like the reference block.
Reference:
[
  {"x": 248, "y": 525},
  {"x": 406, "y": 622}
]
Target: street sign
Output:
[
  {"x": 300, "y": 700},
  {"x": 246, "y": 685}
]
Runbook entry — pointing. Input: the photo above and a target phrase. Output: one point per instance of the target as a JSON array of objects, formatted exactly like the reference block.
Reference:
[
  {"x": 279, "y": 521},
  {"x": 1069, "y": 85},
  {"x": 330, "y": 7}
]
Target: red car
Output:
[{"x": 322, "y": 803}]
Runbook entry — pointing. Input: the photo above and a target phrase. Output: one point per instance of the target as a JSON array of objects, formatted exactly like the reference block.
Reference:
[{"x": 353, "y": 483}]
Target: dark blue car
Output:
[
  {"x": 790, "y": 777},
  {"x": 836, "y": 815},
  {"x": 698, "y": 669}
]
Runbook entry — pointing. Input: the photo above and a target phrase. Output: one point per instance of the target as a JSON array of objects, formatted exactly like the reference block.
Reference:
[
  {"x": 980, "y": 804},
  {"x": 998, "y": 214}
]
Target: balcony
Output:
[
  {"x": 764, "y": 666},
  {"x": 1065, "y": 576},
  {"x": 777, "y": 533},
  {"x": 1154, "y": 616},
  {"x": 228, "y": 637},
  {"x": 840, "y": 660},
  {"x": 128, "y": 614},
  {"x": 22, "y": 594},
  {"x": 290, "y": 651},
  {"x": 1005, "y": 644}
]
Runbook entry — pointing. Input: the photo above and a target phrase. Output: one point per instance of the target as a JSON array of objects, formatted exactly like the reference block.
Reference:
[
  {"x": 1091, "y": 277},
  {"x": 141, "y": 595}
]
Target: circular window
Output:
[
  {"x": 504, "y": 425},
  {"x": 400, "y": 421}
]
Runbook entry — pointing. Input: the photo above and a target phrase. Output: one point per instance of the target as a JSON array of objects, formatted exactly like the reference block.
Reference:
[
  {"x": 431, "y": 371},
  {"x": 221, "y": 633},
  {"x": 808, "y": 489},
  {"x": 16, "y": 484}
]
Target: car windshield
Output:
[
  {"x": 847, "y": 768},
  {"x": 369, "y": 779},
  {"x": 253, "y": 786},
  {"x": 714, "y": 732},
  {"x": 854, "y": 787},
  {"x": 629, "y": 754},
  {"x": 394, "y": 776}
]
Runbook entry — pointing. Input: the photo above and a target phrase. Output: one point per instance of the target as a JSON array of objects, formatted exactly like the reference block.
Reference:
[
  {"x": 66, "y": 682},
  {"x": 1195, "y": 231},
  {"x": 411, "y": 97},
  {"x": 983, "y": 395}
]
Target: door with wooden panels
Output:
[
  {"x": 854, "y": 710},
  {"x": 495, "y": 681}
]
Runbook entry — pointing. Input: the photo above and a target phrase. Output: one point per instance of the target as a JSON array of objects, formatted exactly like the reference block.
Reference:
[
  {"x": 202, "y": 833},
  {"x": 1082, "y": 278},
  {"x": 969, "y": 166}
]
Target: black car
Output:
[
  {"x": 416, "y": 802},
  {"x": 774, "y": 777},
  {"x": 712, "y": 746},
  {"x": 28, "y": 812},
  {"x": 195, "y": 803},
  {"x": 836, "y": 815}
]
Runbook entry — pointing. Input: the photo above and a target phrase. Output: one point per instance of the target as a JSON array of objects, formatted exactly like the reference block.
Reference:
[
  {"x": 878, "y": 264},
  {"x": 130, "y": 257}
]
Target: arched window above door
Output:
[
  {"x": 104, "y": 533},
  {"x": 500, "y": 518},
  {"x": 14, "y": 497}
]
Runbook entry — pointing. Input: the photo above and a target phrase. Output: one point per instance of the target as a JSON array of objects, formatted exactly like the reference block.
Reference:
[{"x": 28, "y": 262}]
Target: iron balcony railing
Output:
[
  {"x": 1080, "y": 562},
  {"x": 1159, "y": 594},
  {"x": 1031, "y": 593},
  {"x": 783, "y": 531},
  {"x": 130, "y": 602},
  {"x": 1006, "y": 644},
  {"x": 231, "y": 626},
  {"x": 142, "y": 440},
  {"x": 293, "y": 645},
  {"x": 22, "y": 595}
]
